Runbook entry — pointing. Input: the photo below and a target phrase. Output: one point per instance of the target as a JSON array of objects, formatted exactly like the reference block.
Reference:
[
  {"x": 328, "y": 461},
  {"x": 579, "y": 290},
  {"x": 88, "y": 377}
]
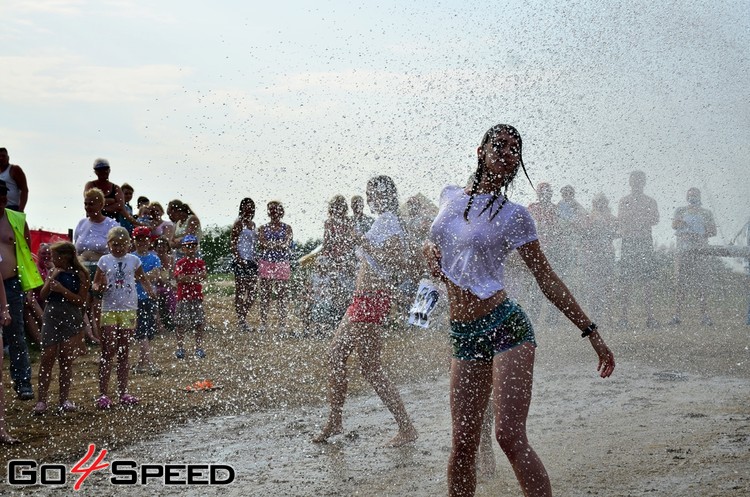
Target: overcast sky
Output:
[{"x": 210, "y": 102}]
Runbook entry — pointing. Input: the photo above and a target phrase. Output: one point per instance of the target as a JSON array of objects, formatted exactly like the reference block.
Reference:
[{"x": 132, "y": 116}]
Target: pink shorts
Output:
[
  {"x": 369, "y": 307},
  {"x": 274, "y": 270}
]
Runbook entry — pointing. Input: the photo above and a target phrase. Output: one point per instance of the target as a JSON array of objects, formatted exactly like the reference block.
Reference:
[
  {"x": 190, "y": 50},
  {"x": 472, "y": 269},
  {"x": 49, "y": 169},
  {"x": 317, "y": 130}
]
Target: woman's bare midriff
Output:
[
  {"x": 465, "y": 306},
  {"x": 368, "y": 279}
]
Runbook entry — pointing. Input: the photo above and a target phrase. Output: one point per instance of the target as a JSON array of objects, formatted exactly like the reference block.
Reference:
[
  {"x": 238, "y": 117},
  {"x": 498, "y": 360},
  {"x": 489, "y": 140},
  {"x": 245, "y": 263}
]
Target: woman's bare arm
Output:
[{"x": 556, "y": 291}]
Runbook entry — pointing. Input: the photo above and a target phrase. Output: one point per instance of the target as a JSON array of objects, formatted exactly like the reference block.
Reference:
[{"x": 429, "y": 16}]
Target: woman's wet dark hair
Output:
[
  {"x": 491, "y": 133},
  {"x": 245, "y": 203}
]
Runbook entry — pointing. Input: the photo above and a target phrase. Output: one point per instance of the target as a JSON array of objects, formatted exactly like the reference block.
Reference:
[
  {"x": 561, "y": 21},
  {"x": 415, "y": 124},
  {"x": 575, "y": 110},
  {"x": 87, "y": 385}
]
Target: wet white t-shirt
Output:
[
  {"x": 385, "y": 226},
  {"x": 473, "y": 253}
]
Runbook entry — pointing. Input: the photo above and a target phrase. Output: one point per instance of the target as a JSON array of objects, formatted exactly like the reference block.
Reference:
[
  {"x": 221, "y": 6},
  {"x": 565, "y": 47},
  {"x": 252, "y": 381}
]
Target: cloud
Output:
[
  {"x": 112, "y": 8},
  {"x": 44, "y": 7},
  {"x": 68, "y": 78}
]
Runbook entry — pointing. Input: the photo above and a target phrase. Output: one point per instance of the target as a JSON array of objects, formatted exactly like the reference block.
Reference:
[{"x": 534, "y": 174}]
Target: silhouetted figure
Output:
[
  {"x": 544, "y": 212},
  {"x": 637, "y": 213},
  {"x": 339, "y": 241},
  {"x": 693, "y": 226},
  {"x": 362, "y": 222},
  {"x": 571, "y": 216},
  {"x": 599, "y": 257}
]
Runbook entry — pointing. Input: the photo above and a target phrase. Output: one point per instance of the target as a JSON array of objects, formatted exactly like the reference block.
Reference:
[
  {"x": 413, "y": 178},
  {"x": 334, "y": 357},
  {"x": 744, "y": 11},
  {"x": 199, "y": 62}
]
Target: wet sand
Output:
[
  {"x": 646, "y": 432},
  {"x": 675, "y": 424}
]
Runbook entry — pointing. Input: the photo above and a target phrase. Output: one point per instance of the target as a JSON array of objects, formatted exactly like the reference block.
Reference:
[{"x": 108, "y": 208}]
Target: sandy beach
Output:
[
  {"x": 646, "y": 432},
  {"x": 673, "y": 420}
]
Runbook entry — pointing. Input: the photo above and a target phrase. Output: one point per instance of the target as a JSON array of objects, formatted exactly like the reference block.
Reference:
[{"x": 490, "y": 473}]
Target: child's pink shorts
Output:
[{"x": 274, "y": 270}]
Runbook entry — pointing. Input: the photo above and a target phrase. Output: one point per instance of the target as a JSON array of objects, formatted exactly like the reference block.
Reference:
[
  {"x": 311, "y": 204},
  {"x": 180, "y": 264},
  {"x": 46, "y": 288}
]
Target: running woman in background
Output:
[{"x": 380, "y": 251}]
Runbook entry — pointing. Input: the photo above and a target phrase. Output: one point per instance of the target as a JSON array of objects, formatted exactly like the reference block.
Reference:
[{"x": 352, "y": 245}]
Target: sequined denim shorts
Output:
[{"x": 507, "y": 326}]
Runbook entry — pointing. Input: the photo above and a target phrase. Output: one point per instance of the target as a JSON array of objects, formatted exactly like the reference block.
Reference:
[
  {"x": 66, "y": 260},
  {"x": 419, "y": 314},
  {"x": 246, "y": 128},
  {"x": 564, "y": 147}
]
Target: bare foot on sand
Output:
[
  {"x": 329, "y": 431},
  {"x": 6, "y": 439},
  {"x": 403, "y": 437}
]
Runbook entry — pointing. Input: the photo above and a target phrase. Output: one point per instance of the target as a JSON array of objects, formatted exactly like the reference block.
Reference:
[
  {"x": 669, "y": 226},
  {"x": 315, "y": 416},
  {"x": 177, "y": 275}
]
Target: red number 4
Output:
[{"x": 86, "y": 471}]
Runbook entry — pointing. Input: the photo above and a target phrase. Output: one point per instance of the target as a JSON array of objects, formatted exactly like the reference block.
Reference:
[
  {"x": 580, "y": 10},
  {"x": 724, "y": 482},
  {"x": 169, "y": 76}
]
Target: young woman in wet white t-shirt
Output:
[{"x": 493, "y": 341}]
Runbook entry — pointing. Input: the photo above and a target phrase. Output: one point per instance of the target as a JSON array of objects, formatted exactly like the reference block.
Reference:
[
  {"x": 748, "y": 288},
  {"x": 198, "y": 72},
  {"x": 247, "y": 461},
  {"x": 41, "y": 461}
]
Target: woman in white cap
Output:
[{"x": 114, "y": 202}]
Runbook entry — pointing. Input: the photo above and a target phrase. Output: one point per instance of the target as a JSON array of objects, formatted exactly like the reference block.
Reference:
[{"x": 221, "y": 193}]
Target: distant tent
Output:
[{"x": 40, "y": 236}]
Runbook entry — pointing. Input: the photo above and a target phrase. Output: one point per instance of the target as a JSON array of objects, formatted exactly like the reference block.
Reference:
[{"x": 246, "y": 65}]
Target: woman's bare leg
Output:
[
  {"x": 5, "y": 437},
  {"x": 369, "y": 347},
  {"x": 109, "y": 349},
  {"x": 65, "y": 363},
  {"x": 486, "y": 465},
  {"x": 471, "y": 382},
  {"x": 513, "y": 373},
  {"x": 265, "y": 301},
  {"x": 281, "y": 293},
  {"x": 122, "y": 360},
  {"x": 241, "y": 299},
  {"x": 341, "y": 348},
  {"x": 47, "y": 362}
]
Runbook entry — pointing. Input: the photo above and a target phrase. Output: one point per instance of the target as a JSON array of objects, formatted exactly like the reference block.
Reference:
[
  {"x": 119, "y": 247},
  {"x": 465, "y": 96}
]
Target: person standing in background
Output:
[
  {"x": 599, "y": 257},
  {"x": 544, "y": 213},
  {"x": 15, "y": 181},
  {"x": 20, "y": 275},
  {"x": 113, "y": 199},
  {"x": 339, "y": 241},
  {"x": 127, "y": 219},
  {"x": 185, "y": 223},
  {"x": 362, "y": 222},
  {"x": 274, "y": 267},
  {"x": 244, "y": 241},
  {"x": 637, "y": 214},
  {"x": 571, "y": 217},
  {"x": 693, "y": 226}
]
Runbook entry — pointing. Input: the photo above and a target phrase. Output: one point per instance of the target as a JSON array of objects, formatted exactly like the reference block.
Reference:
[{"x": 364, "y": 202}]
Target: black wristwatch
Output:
[{"x": 589, "y": 330}]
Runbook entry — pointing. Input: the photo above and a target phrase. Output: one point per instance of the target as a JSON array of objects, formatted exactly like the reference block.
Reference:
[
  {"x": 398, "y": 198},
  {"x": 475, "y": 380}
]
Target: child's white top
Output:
[
  {"x": 473, "y": 253},
  {"x": 120, "y": 292}
]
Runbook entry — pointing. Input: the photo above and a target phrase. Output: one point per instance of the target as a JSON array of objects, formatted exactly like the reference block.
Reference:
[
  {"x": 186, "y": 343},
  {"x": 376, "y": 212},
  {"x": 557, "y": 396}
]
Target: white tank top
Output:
[
  {"x": 246, "y": 244},
  {"x": 14, "y": 193}
]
